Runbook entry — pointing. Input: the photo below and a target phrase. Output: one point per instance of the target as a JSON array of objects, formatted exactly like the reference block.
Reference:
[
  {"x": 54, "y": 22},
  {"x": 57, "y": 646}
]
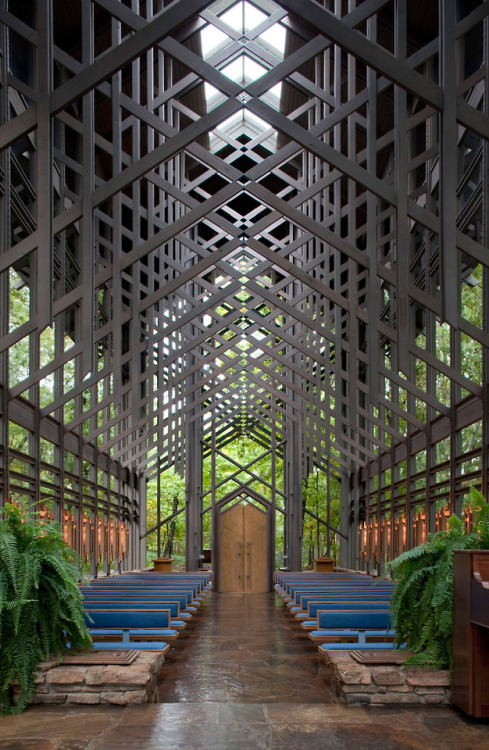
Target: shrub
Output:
[
  {"x": 40, "y": 602},
  {"x": 422, "y": 602}
]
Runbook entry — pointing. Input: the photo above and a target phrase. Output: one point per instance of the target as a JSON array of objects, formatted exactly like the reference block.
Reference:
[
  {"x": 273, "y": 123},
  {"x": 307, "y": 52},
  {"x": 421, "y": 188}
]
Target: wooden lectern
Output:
[
  {"x": 162, "y": 564},
  {"x": 324, "y": 564}
]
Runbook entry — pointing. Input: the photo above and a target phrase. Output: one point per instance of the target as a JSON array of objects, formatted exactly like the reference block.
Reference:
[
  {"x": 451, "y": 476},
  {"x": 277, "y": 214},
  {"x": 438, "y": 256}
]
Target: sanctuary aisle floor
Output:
[
  {"x": 245, "y": 649},
  {"x": 242, "y": 677}
]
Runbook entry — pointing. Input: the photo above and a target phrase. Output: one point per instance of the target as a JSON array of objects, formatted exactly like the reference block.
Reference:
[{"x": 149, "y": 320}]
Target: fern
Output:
[
  {"x": 422, "y": 602},
  {"x": 40, "y": 602},
  {"x": 481, "y": 517}
]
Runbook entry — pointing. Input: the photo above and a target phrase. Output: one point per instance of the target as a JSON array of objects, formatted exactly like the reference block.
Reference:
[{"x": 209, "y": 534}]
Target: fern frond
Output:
[
  {"x": 40, "y": 602},
  {"x": 422, "y": 603}
]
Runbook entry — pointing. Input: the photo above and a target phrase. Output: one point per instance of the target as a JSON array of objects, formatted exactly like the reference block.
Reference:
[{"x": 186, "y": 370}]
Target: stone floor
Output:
[
  {"x": 245, "y": 648},
  {"x": 242, "y": 677}
]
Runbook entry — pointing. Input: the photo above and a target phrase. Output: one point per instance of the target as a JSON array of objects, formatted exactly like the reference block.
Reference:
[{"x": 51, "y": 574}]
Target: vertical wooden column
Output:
[
  {"x": 193, "y": 518},
  {"x": 140, "y": 494},
  {"x": 4, "y": 280},
  {"x": 294, "y": 498}
]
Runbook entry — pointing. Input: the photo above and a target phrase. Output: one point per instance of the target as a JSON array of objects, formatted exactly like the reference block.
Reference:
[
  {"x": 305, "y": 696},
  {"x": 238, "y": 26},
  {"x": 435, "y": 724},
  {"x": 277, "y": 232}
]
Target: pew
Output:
[
  {"x": 325, "y": 591},
  {"x": 315, "y": 608},
  {"x": 330, "y": 579},
  {"x": 303, "y": 611},
  {"x": 129, "y": 623},
  {"x": 295, "y": 589},
  {"x": 138, "y": 608},
  {"x": 352, "y": 619},
  {"x": 101, "y": 626},
  {"x": 354, "y": 626},
  {"x": 138, "y": 604},
  {"x": 341, "y": 611},
  {"x": 193, "y": 597},
  {"x": 182, "y": 599}
]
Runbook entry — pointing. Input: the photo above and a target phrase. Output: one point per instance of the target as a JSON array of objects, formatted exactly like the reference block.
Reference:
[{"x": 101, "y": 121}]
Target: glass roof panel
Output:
[
  {"x": 243, "y": 17},
  {"x": 212, "y": 39},
  {"x": 243, "y": 70},
  {"x": 274, "y": 37}
]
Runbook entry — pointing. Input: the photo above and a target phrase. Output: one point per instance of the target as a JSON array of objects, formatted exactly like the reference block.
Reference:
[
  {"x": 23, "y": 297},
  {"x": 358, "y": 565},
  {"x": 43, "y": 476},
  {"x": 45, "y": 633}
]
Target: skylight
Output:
[
  {"x": 212, "y": 39},
  {"x": 244, "y": 122},
  {"x": 273, "y": 95},
  {"x": 220, "y": 46},
  {"x": 243, "y": 70},
  {"x": 243, "y": 17},
  {"x": 275, "y": 37},
  {"x": 213, "y": 96}
]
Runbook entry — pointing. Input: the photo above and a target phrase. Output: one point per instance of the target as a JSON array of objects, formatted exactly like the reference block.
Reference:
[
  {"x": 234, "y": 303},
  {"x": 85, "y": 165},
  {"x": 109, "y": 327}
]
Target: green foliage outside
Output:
[
  {"x": 40, "y": 602},
  {"x": 314, "y": 533},
  {"x": 244, "y": 451},
  {"x": 422, "y": 602},
  {"x": 172, "y": 493},
  {"x": 446, "y": 345}
]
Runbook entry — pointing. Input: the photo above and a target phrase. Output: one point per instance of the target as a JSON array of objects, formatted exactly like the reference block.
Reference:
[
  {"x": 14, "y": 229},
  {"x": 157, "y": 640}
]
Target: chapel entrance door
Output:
[{"x": 243, "y": 550}]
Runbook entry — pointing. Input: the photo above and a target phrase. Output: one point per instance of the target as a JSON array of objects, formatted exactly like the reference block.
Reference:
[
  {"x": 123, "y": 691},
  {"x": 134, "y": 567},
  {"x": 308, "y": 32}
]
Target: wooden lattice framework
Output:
[{"x": 207, "y": 255}]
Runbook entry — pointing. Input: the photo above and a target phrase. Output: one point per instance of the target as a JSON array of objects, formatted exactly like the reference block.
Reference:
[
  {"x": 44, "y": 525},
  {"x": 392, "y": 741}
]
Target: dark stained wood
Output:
[
  {"x": 331, "y": 237},
  {"x": 471, "y": 632}
]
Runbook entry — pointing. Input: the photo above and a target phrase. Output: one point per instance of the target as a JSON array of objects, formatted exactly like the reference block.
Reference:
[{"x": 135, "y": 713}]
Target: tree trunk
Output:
[{"x": 167, "y": 552}]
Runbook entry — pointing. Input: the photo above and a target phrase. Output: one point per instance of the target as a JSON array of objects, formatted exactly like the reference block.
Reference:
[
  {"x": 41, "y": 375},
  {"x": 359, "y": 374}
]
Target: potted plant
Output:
[
  {"x": 40, "y": 602},
  {"x": 422, "y": 603}
]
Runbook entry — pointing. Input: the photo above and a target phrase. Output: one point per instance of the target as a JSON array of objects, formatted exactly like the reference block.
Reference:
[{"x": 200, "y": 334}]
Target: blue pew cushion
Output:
[
  {"x": 353, "y": 619},
  {"x": 127, "y": 619}
]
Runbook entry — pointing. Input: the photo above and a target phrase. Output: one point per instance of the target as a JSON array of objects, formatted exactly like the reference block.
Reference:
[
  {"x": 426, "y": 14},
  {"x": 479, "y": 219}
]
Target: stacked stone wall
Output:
[
  {"x": 117, "y": 684},
  {"x": 360, "y": 684}
]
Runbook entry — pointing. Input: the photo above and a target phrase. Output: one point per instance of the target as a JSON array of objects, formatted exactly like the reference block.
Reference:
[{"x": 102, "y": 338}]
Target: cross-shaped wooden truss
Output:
[{"x": 244, "y": 216}]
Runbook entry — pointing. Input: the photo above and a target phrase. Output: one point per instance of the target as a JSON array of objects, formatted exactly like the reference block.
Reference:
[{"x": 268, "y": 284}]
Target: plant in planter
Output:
[
  {"x": 422, "y": 603},
  {"x": 40, "y": 602}
]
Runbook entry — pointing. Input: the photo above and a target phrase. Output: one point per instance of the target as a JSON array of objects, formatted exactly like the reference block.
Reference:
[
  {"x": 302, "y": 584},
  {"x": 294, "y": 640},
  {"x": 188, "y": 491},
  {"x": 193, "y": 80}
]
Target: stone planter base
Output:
[
  {"x": 122, "y": 685},
  {"x": 358, "y": 684}
]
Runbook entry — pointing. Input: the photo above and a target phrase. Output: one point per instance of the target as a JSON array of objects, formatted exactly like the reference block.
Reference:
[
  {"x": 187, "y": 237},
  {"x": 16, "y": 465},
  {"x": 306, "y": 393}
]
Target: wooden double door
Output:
[{"x": 243, "y": 550}]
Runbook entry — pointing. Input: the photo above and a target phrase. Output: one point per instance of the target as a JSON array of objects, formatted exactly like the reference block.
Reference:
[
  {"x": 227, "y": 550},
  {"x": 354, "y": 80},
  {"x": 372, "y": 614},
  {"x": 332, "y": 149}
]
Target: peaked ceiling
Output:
[{"x": 231, "y": 220}]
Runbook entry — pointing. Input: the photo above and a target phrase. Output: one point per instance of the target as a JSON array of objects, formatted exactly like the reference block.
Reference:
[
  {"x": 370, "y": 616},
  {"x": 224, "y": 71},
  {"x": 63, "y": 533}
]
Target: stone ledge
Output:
[
  {"x": 360, "y": 684},
  {"x": 131, "y": 684}
]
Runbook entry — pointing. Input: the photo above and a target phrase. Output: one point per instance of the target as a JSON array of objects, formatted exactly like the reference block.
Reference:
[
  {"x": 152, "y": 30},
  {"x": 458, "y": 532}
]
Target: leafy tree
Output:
[
  {"x": 315, "y": 499},
  {"x": 243, "y": 450},
  {"x": 172, "y": 497}
]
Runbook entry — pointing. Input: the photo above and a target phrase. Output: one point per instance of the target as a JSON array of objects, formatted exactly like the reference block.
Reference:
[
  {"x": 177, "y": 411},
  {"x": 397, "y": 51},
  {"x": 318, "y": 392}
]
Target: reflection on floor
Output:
[
  {"x": 242, "y": 677},
  {"x": 245, "y": 649}
]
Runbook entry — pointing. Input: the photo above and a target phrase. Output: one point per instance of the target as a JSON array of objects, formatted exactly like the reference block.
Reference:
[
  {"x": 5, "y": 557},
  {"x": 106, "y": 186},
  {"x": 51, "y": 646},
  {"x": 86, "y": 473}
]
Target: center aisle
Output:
[{"x": 244, "y": 648}]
